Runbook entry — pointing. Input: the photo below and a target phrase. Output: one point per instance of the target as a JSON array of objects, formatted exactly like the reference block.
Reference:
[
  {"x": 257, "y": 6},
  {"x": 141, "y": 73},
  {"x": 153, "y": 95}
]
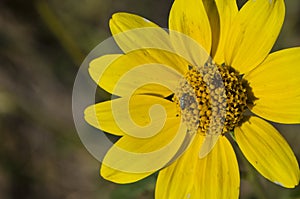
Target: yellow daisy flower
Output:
[{"x": 204, "y": 100}]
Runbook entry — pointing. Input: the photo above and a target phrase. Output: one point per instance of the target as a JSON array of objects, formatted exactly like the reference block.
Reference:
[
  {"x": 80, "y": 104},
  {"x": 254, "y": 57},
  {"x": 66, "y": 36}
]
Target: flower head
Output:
[{"x": 207, "y": 70}]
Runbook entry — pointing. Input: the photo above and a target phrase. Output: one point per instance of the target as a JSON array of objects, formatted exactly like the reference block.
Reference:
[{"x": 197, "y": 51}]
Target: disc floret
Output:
[{"x": 211, "y": 98}]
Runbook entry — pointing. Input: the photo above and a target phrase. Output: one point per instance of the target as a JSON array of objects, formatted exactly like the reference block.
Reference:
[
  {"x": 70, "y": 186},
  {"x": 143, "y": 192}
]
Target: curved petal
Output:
[
  {"x": 253, "y": 34},
  {"x": 268, "y": 152},
  {"x": 216, "y": 176},
  {"x": 178, "y": 179},
  {"x": 151, "y": 71},
  {"x": 103, "y": 115},
  {"x": 227, "y": 10},
  {"x": 121, "y": 177},
  {"x": 191, "y": 20},
  {"x": 132, "y": 159},
  {"x": 121, "y": 22},
  {"x": 135, "y": 155},
  {"x": 214, "y": 20},
  {"x": 276, "y": 85},
  {"x": 132, "y": 32}
]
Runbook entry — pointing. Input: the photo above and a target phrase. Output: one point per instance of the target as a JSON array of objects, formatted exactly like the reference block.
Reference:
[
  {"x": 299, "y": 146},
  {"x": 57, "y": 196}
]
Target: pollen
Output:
[{"x": 211, "y": 99}]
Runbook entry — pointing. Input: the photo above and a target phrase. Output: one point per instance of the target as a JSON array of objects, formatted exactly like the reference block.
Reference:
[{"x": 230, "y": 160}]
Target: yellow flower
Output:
[{"x": 194, "y": 89}]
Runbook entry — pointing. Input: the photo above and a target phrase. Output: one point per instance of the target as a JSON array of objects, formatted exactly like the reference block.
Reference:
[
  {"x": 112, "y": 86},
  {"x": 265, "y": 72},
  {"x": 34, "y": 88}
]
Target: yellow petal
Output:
[
  {"x": 135, "y": 155},
  {"x": 101, "y": 116},
  {"x": 153, "y": 71},
  {"x": 219, "y": 172},
  {"x": 253, "y": 34},
  {"x": 268, "y": 152},
  {"x": 115, "y": 116},
  {"x": 130, "y": 156},
  {"x": 226, "y": 10},
  {"x": 121, "y": 177},
  {"x": 191, "y": 20},
  {"x": 132, "y": 32},
  {"x": 99, "y": 65},
  {"x": 178, "y": 179},
  {"x": 276, "y": 85},
  {"x": 121, "y": 22},
  {"x": 215, "y": 177},
  {"x": 214, "y": 20}
]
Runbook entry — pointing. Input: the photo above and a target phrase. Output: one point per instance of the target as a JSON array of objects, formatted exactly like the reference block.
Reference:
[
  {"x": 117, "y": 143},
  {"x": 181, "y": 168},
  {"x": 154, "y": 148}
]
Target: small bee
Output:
[
  {"x": 186, "y": 100},
  {"x": 183, "y": 101}
]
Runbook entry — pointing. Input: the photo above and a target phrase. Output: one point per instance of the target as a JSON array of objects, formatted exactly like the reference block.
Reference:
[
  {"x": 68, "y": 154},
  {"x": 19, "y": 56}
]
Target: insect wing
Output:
[{"x": 182, "y": 102}]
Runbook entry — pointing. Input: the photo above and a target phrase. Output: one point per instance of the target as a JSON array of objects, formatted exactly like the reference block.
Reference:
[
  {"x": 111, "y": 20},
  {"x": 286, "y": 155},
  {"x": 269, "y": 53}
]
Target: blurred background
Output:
[{"x": 42, "y": 44}]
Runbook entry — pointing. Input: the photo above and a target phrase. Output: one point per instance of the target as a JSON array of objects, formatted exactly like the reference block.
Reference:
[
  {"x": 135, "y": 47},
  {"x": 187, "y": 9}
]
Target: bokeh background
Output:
[{"x": 42, "y": 44}]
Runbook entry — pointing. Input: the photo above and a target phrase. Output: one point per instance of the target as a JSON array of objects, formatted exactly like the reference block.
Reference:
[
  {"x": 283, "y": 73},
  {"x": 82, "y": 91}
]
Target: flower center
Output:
[{"x": 211, "y": 99}]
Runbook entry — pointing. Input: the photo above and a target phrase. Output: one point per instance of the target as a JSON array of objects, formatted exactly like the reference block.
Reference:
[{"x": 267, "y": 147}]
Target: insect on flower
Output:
[{"x": 210, "y": 97}]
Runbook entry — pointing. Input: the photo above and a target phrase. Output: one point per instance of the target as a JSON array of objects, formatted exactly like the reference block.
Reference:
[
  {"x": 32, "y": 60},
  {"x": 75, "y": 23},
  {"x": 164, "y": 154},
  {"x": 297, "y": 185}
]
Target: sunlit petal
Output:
[
  {"x": 276, "y": 85},
  {"x": 149, "y": 71},
  {"x": 216, "y": 176},
  {"x": 268, "y": 152},
  {"x": 132, "y": 32},
  {"x": 253, "y": 33}
]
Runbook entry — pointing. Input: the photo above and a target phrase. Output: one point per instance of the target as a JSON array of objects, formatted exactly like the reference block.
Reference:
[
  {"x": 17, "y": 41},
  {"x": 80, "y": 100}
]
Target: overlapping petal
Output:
[
  {"x": 121, "y": 177},
  {"x": 136, "y": 153},
  {"x": 191, "y": 20},
  {"x": 268, "y": 152},
  {"x": 276, "y": 85},
  {"x": 214, "y": 20},
  {"x": 253, "y": 33},
  {"x": 132, "y": 32},
  {"x": 221, "y": 14},
  {"x": 132, "y": 159},
  {"x": 103, "y": 115},
  {"x": 216, "y": 176},
  {"x": 151, "y": 71}
]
